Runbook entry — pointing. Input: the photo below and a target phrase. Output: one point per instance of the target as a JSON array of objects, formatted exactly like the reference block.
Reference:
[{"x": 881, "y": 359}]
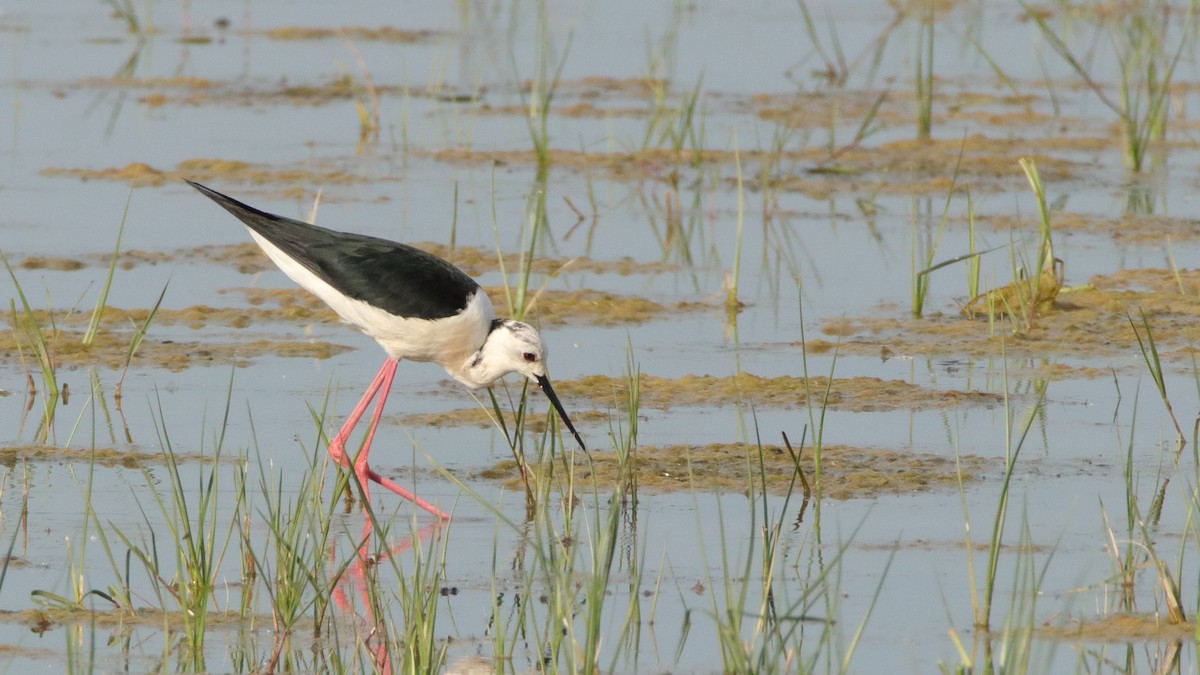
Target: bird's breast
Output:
[{"x": 448, "y": 341}]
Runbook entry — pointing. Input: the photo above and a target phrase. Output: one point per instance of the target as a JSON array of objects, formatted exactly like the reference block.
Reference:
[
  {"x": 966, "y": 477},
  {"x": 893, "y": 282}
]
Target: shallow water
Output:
[{"x": 85, "y": 95}]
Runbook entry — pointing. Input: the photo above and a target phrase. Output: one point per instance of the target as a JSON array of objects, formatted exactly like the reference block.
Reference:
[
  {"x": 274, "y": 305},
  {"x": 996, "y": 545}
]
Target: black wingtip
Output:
[
  {"x": 217, "y": 197},
  {"x": 203, "y": 189},
  {"x": 222, "y": 199},
  {"x": 244, "y": 212}
]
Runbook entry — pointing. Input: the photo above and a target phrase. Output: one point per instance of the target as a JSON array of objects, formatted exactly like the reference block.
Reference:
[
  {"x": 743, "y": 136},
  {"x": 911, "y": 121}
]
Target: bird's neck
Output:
[
  {"x": 483, "y": 367},
  {"x": 474, "y": 372}
]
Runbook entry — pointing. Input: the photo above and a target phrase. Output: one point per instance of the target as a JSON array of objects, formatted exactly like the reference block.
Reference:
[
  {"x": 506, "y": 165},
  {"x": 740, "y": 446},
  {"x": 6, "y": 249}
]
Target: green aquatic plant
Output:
[
  {"x": 102, "y": 299},
  {"x": 544, "y": 86},
  {"x": 1149, "y": 351},
  {"x": 929, "y": 245},
  {"x": 1146, "y": 68},
  {"x": 923, "y": 75},
  {"x": 199, "y": 535},
  {"x": 27, "y": 323}
]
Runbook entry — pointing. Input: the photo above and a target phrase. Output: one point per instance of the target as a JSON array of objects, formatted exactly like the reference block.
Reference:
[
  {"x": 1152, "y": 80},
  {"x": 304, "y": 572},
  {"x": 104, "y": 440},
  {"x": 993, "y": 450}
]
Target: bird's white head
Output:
[
  {"x": 513, "y": 347},
  {"x": 510, "y": 347}
]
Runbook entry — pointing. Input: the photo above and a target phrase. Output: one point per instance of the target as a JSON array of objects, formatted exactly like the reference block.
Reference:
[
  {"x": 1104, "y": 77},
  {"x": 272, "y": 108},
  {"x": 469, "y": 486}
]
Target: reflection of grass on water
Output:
[
  {"x": 557, "y": 601},
  {"x": 1146, "y": 66},
  {"x": 574, "y": 586},
  {"x": 561, "y": 599},
  {"x": 39, "y": 332}
]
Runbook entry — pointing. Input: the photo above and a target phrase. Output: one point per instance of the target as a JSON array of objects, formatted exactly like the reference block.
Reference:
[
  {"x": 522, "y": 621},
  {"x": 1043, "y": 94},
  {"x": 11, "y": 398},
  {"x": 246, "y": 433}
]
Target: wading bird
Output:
[{"x": 414, "y": 304}]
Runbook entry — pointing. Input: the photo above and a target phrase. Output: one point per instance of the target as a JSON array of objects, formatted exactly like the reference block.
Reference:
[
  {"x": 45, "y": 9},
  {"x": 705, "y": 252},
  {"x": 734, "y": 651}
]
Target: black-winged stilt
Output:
[{"x": 416, "y": 305}]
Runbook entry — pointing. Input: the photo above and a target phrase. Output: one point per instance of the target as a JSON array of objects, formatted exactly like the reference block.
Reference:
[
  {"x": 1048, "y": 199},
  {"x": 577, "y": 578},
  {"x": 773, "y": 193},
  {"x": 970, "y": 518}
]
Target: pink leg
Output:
[{"x": 381, "y": 385}]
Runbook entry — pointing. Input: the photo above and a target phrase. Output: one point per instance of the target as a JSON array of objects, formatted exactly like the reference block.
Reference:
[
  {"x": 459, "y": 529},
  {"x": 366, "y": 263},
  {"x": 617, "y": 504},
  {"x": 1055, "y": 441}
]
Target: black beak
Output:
[{"x": 544, "y": 383}]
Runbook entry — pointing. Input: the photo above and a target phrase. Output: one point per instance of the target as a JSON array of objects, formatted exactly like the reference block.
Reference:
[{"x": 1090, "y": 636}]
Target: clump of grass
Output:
[
  {"x": 42, "y": 351},
  {"x": 98, "y": 310},
  {"x": 291, "y": 564},
  {"x": 1146, "y": 70},
  {"x": 676, "y": 125},
  {"x": 982, "y": 599},
  {"x": 126, "y": 12},
  {"x": 1029, "y": 294},
  {"x": 761, "y": 625},
  {"x": 567, "y": 554},
  {"x": 368, "y": 112},
  {"x": 41, "y": 339},
  {"x": 515, "y": 439},
  {"x": 199, "y": 538},
  {"x": 139, "y": 334},
  {"x": 417, "y": 596},
  {"x": 625, "y": 435},
  {"x": 1016, "y": 635},
  {"x": 544, "y": 86},
  {"x": 119, "y": 594},
  {"x": 521, "y": 301},
  {"x": 836, "y": 70},
  {"x": 1136, "y": 548},
  {"x": 923, "y": 77},
  {"x": 732, "y": 304},
  {"x": 816, "y": 413},
  {"x": 921, "y": 279},
  {"x": 1145, "y": 340},
  {"x": 973, "y": 254}
]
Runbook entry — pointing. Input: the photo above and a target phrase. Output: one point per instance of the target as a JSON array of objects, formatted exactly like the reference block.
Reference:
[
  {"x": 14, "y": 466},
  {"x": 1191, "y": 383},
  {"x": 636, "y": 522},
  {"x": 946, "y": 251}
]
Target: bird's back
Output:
[{"x": 394, "y": 277}]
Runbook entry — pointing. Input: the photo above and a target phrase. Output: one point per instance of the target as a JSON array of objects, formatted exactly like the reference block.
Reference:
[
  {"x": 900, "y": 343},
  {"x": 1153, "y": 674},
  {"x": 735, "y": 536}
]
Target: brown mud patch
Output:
[
  {"x": 107, "y": 457},
  {"x": 138, "y": 174},
  {"x": 1130, "y": 228},
  {"x": 475, "y": 260},
  {"x": 115, "y": 319},
  {"x": 983, "y": 162},
  {"x": 898, "y": 167},
  {"x": 1122, "y": 628},
  {"x": 632, "y": 165},
  {"x": 923, "y": 167},
  {"x": 480, "y": 417},
  {"x": 191, "y": 91},
  {"x": 51, "y": 263},
  {"x": 1083, "y": 323},
  {"x": 600, "y": 308},
  {"x": 382, "y": 34},
  {"x": 846, "y": 472},
  {"x": 110, "y": 349},
  {"x": 856, "y": 394},
  {"x": 41, "y": 620},
  {"x": 192, "y": 83}
]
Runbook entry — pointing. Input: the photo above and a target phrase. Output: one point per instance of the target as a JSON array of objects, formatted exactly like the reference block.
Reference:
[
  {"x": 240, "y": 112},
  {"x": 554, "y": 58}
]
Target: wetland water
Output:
[{"x": 732, "y": 201}]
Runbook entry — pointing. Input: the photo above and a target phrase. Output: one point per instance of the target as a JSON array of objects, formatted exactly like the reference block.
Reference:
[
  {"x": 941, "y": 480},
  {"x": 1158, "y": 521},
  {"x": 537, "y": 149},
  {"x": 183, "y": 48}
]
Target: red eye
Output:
[{"x": 529, "y": 357}]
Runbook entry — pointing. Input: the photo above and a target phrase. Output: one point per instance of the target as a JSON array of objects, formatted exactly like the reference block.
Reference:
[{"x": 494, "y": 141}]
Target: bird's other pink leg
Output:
[
  {"x": 387, "y": 483},
  {"x": 381, "y": 386},
  {"x": 383, "y": 383},
  {"x": 365, "y": 472},
  {"x": 337, "y": 445}
]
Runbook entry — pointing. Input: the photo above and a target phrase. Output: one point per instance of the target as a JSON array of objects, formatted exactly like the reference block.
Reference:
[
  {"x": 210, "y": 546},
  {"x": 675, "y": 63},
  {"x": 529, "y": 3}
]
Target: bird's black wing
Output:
[{"x": 394, "y": 277}]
